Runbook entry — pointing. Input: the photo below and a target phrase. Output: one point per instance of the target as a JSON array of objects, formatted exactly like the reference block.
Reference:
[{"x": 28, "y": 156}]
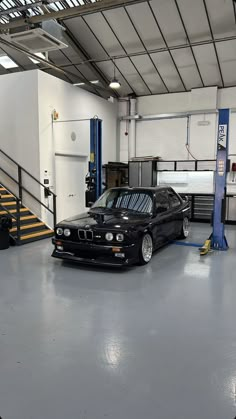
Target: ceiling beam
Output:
[
  {"x": 214, "y": 45},
  {"x": 52, "y": 66},
  {"x": 157, "y": 50},
  {"x": 22, "y": 8},
  {"x": 86, "y": 9},
  {"x": 188, "y": 40},
  {"x": 74, "y": 43}
]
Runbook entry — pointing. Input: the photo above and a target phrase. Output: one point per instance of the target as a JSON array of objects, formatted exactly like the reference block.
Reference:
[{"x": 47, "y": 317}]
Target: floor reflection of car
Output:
[{"x": 123, "y": 227}]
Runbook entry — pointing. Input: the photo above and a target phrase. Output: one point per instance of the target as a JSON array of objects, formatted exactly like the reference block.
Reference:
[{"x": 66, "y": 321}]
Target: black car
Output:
[{"x": 124, "y": 226}]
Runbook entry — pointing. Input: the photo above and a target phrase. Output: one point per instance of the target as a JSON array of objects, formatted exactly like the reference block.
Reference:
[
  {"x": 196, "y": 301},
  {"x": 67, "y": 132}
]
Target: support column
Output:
[
  {"x": 95, "y": 164},
  {"x": 132, "y": 130},
  {"x": 218, "y": 239}
]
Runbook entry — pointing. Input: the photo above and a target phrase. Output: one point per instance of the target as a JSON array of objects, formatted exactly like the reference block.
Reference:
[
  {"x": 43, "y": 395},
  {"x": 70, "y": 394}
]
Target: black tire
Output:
[
  {"x": 184, "y": 229},
  {"x": 145, "y": 255}
]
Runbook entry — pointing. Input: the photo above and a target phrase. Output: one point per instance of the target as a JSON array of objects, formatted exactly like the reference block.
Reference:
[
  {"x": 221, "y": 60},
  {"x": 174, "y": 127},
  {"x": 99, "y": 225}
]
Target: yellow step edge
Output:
[
  {"x": 8, "y": 204},
  {"x": 26, "y": 217},
  {"x": 26, "y": 226},
  {"x": 13, "y": 211},
  {"x": 34, "y": 235},
  {"x": 7, "y": 196},
  {"x": 2, "y": 189}
]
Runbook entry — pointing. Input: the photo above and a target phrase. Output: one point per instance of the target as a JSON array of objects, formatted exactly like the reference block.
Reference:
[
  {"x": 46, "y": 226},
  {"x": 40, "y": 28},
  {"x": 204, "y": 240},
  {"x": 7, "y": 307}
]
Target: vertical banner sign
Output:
[
  {"x": 222, "y": 136},
  {"x": 218, "y": 240}
]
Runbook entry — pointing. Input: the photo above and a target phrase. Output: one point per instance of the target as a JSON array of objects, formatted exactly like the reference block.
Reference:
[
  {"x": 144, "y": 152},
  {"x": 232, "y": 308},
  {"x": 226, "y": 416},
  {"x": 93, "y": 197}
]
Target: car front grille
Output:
[{"x": 85, "y": 235}]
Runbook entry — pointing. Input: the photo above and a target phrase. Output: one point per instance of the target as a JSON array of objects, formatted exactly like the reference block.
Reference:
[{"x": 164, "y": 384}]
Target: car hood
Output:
[{"x": 106, "y": 217}]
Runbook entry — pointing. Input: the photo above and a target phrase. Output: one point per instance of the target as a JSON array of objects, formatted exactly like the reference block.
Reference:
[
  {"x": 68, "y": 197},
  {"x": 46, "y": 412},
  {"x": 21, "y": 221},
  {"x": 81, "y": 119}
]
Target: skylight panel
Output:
[{"x": 7, "y": 62}]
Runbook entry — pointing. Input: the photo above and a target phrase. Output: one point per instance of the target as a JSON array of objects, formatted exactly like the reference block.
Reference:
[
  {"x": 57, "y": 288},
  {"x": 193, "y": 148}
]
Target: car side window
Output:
[
  {"x": 173, "y": 198},
  {"x": 162, "y": 202}
]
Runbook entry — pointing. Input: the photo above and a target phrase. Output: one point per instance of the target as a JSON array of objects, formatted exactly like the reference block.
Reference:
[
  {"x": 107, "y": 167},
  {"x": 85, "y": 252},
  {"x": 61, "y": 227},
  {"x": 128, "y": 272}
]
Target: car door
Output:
[
  {"x": 177, "y": 217},
  {"x": 163, "y": 226}
]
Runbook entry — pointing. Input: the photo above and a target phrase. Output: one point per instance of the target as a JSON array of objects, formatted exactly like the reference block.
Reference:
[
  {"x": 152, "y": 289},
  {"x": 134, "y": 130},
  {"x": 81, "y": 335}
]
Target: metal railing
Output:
[{"x": 22, "y": 188}]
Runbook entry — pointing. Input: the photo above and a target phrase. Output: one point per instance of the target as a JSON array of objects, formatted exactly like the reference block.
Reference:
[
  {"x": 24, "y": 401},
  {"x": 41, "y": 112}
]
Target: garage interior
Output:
[{"x": 146, "y": 91}]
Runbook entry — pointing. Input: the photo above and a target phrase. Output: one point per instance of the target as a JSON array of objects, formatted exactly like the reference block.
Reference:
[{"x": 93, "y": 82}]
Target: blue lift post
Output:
[
  {"x": 218, "y": 239},
  {"x": 95, "y": 164}
]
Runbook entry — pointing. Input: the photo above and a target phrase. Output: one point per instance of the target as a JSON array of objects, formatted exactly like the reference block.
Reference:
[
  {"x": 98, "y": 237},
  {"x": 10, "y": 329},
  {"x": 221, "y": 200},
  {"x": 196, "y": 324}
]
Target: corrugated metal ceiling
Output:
[{"x": 157, "y": 46}]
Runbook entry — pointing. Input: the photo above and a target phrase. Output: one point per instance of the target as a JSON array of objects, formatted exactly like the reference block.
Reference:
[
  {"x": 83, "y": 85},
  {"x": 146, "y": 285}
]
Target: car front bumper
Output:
[{"x": 96, "y": 254}]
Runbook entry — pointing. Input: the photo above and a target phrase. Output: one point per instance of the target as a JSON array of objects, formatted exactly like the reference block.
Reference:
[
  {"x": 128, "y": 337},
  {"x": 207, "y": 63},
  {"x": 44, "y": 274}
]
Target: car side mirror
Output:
[{"x": 184, "y": 197}]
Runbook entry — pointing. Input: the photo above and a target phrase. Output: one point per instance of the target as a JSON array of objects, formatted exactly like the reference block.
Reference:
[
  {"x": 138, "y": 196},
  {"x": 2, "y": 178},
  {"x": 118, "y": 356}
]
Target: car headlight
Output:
[
  {"x": 59, "y": 231},
  {"x": 67, "y": 232},
  {"x": 120, "y": 237},
  {"x": 109, "y": 237}
]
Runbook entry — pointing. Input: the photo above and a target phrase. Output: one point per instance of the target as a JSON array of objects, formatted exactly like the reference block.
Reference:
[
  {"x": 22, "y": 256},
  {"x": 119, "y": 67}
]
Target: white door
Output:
[{"x": 70, "y": 185}]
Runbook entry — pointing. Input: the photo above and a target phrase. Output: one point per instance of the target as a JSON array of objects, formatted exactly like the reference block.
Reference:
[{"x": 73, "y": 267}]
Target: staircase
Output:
[{"x": 30, "y": 227}]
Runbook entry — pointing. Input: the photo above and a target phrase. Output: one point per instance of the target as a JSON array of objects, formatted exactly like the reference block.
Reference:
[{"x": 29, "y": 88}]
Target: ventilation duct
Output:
[{"x": 46, "y": 36}]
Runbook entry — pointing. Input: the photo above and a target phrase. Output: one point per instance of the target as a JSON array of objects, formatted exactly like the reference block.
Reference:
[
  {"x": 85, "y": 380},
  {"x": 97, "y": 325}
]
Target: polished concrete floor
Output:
[{"x": 153, "y": 342}]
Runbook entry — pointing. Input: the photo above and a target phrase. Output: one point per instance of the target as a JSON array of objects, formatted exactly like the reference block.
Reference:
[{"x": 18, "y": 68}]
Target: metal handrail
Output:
[
  {"x": 25, "y": 171},
  {"x": 22, "y": 188},
  {"x": 5, "y": 209}
]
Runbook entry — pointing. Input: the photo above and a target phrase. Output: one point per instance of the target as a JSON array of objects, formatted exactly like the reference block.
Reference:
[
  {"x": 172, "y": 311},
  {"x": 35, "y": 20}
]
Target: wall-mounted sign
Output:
[{"x": 222, "y": 136}]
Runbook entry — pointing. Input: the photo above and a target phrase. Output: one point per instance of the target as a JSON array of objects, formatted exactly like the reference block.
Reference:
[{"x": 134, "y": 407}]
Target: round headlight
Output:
[
  {"x": 109, "y": 236},
  {"x": 59, "y": 231},
  {"x": 120, "y": 237},
  {"x": 67, "y": 232}
]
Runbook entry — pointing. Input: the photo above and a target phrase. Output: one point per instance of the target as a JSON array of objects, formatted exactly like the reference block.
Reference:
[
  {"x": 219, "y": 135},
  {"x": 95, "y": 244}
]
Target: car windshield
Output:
[{"x": 139, "y": 201}]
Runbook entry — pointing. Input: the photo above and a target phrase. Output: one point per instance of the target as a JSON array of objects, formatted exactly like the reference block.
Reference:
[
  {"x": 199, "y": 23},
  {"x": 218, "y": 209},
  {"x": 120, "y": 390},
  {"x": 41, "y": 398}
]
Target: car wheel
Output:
[
  {"x": 184, "y": 229},
  {"x": 146, "y": 249}
]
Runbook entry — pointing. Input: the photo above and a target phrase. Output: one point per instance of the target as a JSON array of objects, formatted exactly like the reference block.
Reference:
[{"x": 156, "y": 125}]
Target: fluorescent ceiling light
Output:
[
  {"x": 79, "y": 84},
  {"x": 39, "y": 54},
  {"x": 7, "y": 62},
  {"x": 94, "y": 81},
  {"x": 115, "y": 84}
]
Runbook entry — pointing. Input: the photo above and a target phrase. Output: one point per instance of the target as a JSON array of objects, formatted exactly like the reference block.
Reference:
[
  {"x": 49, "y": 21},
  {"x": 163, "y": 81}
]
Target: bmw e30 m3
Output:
[{"x": 123, "y": 227}]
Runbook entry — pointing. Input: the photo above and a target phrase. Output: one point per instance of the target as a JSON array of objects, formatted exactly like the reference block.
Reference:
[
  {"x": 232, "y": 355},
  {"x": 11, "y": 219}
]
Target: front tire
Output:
[
  {"x": 146, "y": 249},
  {"x": 184, "y": 229}
]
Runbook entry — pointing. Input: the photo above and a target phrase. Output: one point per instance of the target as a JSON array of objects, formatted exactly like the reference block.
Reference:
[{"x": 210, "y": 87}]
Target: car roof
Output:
[{"x": 142, "y": 188}]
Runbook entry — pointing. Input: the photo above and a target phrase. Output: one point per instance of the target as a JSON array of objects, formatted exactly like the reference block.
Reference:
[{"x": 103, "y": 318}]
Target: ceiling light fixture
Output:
[
  {"x": 114, "y": 83},
  {"x": 79, "y": 84},
  {"x": 7, "y": 62},
  {"x": 40, "y": 55},
  {"x": 94, "y": 81}
]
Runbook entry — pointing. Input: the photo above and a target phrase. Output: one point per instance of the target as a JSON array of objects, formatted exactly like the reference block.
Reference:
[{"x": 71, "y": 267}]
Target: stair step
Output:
[
  {"x": 27, "y": 218},
  {"x": 31, "y": 227},
  {"x": 36, "y": 235},
  {"x": 27, "y": 226},
  {"x": 7, "y": 196},
  {"x": 14, "y": 211},
  {"x": 10, "y": 204}
]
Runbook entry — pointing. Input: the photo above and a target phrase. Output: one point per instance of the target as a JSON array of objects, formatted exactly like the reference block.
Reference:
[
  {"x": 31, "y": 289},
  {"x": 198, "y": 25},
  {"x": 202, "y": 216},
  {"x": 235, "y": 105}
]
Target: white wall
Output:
[
  {"x": 167, "y": 138},
  {"x": 19, "y": 118},
  {"x": 19, "y": 128},
  {"x": 27, "y": 100},
  {"x": 71, "y": 103}
]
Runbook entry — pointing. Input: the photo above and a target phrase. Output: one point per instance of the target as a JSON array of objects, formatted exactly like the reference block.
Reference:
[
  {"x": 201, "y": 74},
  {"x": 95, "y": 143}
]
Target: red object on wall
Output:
[{"x": 233, "y": 167}]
